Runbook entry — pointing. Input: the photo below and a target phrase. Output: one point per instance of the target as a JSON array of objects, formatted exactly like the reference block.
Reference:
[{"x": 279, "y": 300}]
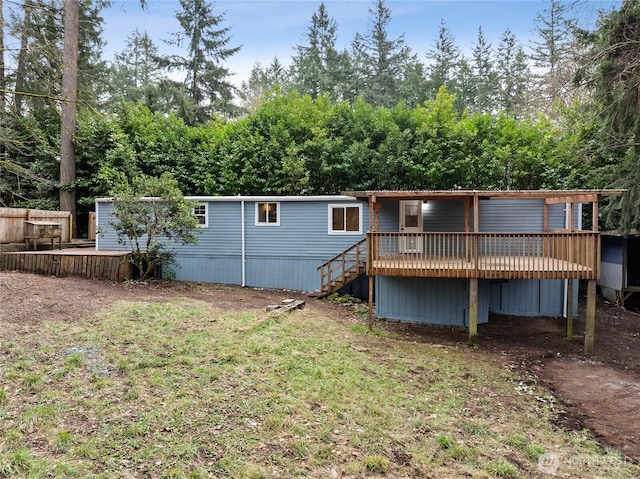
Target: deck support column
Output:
[
  {"x": 371, "y": 302},
  {"x": 473, "y": 310},
  {"x": 590, "y": 324},
  {"x": 569, "y": 308}
]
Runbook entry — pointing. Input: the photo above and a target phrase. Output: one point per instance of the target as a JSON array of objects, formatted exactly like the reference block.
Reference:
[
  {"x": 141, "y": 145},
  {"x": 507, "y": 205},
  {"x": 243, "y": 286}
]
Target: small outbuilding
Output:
[{"x": 620, "y": 266}]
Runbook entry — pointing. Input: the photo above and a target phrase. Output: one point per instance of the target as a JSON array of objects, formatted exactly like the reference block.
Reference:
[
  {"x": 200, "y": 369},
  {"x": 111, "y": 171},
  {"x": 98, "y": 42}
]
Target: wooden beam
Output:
[
  {"x": 595, "y": 216},
  {"x": 467, "y": 215},
  {"x": 473, "y": 311},
  {"x": 590, "y": 325},
  {"x": 570, "y": 226},
  {"x": 467, "y": 226},
  {"x": 476, "y": 213},
  {"x": 578, "y": 198},
  {"x": 558, "y": 196}
]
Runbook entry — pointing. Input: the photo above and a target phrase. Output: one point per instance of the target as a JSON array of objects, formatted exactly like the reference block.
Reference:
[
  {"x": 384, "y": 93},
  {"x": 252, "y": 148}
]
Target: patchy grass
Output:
[{"x": 182, "y": 390}]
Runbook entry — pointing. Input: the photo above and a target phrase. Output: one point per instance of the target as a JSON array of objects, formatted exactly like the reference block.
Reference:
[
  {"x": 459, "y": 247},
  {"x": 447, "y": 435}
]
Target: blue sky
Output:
[{"x": 269, "y": 28}]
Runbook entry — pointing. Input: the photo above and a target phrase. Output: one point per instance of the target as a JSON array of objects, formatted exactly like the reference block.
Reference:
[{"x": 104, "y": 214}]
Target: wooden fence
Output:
[
  {"x": 12, "y": 223},
  {"x": 107, "y": 265}
]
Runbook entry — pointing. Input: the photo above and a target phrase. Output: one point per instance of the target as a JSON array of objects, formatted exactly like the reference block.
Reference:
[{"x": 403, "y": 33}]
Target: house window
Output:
[
  {"x": 345, "y": 219},
  {"x": 200, "y": 212},
  {"x": 267, "y": 214}
]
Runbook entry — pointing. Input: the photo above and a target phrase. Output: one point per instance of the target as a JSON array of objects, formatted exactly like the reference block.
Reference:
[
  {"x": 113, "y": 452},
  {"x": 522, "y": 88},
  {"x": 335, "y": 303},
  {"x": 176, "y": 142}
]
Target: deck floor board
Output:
[{"x": 487, "y": 267}]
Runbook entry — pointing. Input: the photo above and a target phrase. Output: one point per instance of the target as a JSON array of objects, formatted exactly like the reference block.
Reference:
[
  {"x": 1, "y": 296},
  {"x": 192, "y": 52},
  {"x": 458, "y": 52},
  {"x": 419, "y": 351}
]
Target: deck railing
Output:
[
  {"x": 485, "y": 255},
  {"x": 342, "y": 268}
]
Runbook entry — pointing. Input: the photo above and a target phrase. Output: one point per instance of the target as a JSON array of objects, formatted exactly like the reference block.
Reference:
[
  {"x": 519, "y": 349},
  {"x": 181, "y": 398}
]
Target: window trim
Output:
[
  {"x": 206, "y": 214},
  {"x": 330, "y": 209},
  {"x": 267, "y": 223}
]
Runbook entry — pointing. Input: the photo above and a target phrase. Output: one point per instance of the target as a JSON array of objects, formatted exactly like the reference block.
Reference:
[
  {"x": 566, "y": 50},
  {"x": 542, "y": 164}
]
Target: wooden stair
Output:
[{"x": 343, "y": 268}]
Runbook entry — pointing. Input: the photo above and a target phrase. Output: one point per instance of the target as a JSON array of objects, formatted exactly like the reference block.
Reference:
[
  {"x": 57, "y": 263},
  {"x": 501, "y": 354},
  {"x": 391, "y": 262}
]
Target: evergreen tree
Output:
[
  {"x": 68, "y": 111},
  {"x": 484, "y": 75},
  {"x": 513, "y": 75},
  {"x": 207, "y": 79},
  {"x": 260, "y": 82},
  {"x": 414, "y": 87},
  {"x": 552, "y": 53},
  {"x": 380, "y": 62},
  {"x": 3, "y": 84},
  {"x": 465, "y": 87},
  {"x": 616, "y": 76},
  {"x": 444, "y": 59},
  {"x": 317, "y": 66},
  {"x": 136, "y": 72},
  {"x": 35, "y": 123}
]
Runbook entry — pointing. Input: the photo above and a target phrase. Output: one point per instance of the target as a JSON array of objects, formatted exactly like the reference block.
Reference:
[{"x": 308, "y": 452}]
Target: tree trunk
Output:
[
  {"x": 3, "y": 83},
  {"x": 22, "y": 62},
  {"x": 68, "y": 110}
]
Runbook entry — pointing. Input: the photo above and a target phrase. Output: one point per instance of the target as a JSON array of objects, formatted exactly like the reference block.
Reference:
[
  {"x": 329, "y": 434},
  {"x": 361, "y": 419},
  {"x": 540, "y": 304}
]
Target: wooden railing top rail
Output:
[
  {"x": 343, "y": 253},
  {"x": 488, "y": 233}
]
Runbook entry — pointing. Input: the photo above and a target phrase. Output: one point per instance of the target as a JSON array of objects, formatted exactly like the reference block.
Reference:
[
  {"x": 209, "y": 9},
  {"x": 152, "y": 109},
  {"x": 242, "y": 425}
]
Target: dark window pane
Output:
[
  {"x": 262, "y": 212},
  {"x": 337, "y": 220},
  {"x": 273, "y": 213},
  {"x": 353, "y": 218}
]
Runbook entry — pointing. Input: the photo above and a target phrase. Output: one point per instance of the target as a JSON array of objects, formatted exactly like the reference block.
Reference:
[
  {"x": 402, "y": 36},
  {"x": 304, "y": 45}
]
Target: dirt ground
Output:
[{"x": 601, "y": 392}]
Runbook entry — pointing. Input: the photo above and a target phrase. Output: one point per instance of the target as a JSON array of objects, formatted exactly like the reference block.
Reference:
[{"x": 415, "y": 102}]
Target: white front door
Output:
[{"x": 411, "y": 222}]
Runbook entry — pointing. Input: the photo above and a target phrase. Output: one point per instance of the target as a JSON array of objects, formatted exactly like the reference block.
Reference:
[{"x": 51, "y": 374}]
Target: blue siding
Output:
[
  {"x": 303, "y": 232},
  {"x": 443, "y": 301},
  {"x": 209, "y": 269},
  {"x": 530, "y": 297},
  {"x": 106, "y": 239},
  {"x": 283, "y": 273},
  {"x": 443, "y": 216},
  {"x": 506, "y": 216},
  {"x": 500, "y": 216},
  {"x": 437, "y": 216},
  {"x": 389, "y": 216},
  {"x": 285, "y": 256},
  {"x": 612, "y": 249}
]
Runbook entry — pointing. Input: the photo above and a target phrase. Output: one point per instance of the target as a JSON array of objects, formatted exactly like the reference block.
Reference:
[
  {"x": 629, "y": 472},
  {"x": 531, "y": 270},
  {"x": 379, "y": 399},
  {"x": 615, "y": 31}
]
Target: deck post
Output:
[
  {"x": 569, "y": 308},
  {"x": 590, "y": 324},
  {"x": 473, "y": 310},
  {"x": 371, "y": 302}
]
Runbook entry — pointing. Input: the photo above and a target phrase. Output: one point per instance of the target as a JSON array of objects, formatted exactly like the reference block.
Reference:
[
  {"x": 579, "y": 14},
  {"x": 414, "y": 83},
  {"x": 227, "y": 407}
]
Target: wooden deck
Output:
[
  {"x": 487, "y": 267},
  {"x": 574, "y": 255},
  {"x": 82, "y": 262}
]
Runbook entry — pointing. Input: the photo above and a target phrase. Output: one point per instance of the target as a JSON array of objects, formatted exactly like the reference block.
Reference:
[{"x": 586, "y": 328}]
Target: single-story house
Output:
[
  {"x": 260, "y": 241},
  {"x": 441, "y": 257}
]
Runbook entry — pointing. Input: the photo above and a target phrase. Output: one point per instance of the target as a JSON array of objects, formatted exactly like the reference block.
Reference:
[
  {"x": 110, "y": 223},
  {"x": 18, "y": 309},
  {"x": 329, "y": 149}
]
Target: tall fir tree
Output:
[
  {"x": 318, "y": 67},
  {"x": 443, "y": 58},
  {"x": 261, "y": 81},
  {"x": 615, "y": 78},
  {"x": 484, "y": 75},
  {"x": 207, "y": 43},
  {"x": 380, "y": 62},
  {"x": 136, "y": 70},
  {"x": 552, "y": 53},
  {"x": 513, "y": 75}
]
